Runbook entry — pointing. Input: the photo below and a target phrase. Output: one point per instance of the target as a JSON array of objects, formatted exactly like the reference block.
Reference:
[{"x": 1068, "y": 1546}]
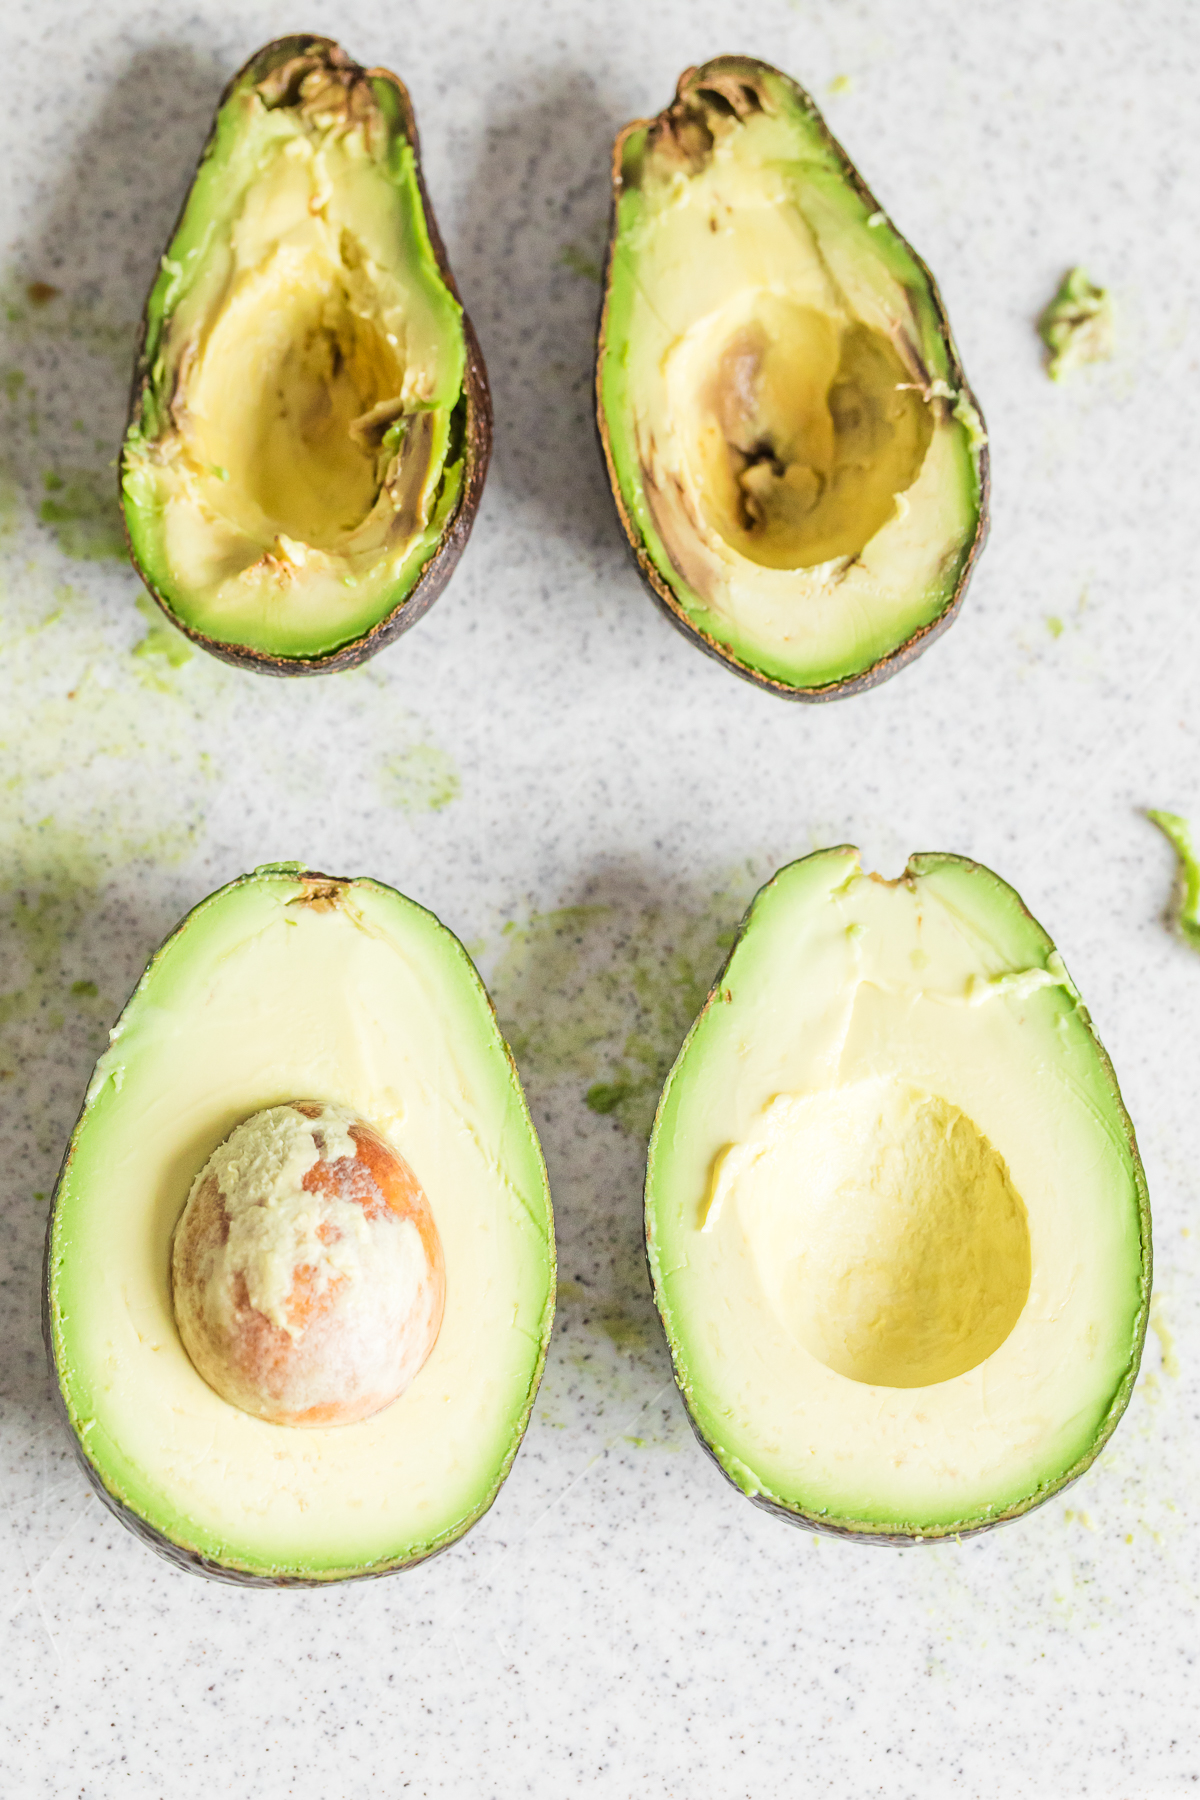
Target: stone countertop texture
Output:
[{"x": 589, "y": 802}]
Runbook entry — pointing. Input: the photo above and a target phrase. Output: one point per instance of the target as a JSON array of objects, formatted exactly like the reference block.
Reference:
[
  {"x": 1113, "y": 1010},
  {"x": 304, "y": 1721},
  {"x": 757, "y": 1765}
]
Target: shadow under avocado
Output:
[
  {"x": 595, "y": 998},
  {"x": 528, "y": 258},
  {"x": 70, "y": 953},
  {"x": 73, "y": 294}
]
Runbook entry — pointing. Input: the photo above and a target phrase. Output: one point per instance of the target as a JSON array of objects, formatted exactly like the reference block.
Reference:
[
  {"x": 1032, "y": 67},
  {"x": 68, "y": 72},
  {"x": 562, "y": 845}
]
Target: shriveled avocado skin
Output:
[
  {"x": 753, "y": 988},
  {"x": 472, "y": 426},
  {"x": 942, "y": 372},
  {"x": 105, "y": 1272}
]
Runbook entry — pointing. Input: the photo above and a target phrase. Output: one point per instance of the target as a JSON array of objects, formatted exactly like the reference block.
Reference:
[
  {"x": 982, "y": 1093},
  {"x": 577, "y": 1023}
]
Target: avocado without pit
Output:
[
  {"x": 310, "y": 422},
  {"x": 300, "y": 1263},
  {"x": 798, "y": 464},
  {"x": 896, "y": 1220}
]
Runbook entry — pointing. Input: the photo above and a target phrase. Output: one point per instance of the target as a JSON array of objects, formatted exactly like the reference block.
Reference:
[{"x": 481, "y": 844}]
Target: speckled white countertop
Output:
[{"x": 622, "y": 1623}]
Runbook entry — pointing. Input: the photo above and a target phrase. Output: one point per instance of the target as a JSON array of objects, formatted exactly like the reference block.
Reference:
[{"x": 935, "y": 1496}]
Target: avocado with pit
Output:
[
  {"x": 896, "y": 1220},
  {"x": 310, "y": 423},
  {"x": 300, "y": 1263},
  {"x": 798, "y": 464}
]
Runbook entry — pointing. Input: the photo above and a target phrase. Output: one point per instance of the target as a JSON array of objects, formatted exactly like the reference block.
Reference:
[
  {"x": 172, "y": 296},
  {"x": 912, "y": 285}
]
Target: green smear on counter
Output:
[
  {"x": 1165, "y": 1336},
  {"x": 43, "y": 905},
  {"x": 422, "y": 779},
  {"x": 82, "y": 511},
  {"x": 584, "y": 993},
  {"x": 162, "y": 642},
  {"x": 580, "y": 263},
  {"x": 35, "y": 312},
  {"x": 625, "y": 1332}
]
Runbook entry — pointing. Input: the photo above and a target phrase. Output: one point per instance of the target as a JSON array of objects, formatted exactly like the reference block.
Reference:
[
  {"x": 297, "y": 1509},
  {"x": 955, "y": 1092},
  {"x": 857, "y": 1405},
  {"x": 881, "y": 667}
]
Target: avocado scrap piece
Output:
[
  {"x": 1077, "y": 326},
  {"x": 798, "y": 464},
  {"x": 310, "y": 424},
  {"x": 896, "y": 1220},
  {"x": 1179, "y": 833},
  {"x": 335, "y": 994}
]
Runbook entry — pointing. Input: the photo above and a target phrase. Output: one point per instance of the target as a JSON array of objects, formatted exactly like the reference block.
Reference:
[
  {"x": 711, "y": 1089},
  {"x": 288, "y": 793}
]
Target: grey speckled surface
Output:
[{"x": 622, "y": 1623}]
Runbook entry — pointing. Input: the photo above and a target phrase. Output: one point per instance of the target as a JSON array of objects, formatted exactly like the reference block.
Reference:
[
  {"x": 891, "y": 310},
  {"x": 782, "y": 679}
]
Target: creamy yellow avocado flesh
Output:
[
  {"x": 288, "y": 476},
  {"x": 269, "y": 992},
  {"x": 894, "y": 1211},
  {"x": 777, "y": 394}
]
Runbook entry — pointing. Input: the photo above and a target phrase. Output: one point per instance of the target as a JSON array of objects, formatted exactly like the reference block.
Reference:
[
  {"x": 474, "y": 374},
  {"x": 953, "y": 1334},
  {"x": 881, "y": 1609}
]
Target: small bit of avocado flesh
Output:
[
  {"x": 1179, "y": 833},
  {"x": 798, "y": 464},
  {"x": 896, "y": 1221},
  {"x": 1077, "y": 326},
  {"x": 310, "y": 419},
  {"x": 287, "y": 983}
]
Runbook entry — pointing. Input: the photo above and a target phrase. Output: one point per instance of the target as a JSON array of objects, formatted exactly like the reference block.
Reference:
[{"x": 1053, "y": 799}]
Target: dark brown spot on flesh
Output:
[{"x": 320, "y": 892}]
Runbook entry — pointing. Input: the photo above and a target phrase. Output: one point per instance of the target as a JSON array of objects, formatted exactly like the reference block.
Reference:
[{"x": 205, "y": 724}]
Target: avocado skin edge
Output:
[
  {"x": 190, "y": 1560},
  {"x": 905, "y": 653},
  {"x": 477, "y": 437},
  {"x": 901, "y": 1538}
]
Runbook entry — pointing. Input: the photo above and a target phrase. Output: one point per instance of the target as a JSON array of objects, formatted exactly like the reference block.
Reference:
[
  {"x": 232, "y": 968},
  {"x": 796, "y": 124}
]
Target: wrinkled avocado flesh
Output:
[
  {"x": 776, "y": 386},
  {"x": 296, "y": 455},
  {"x": 260, "y": 997},
  {"x": 895, "y": 1215}
]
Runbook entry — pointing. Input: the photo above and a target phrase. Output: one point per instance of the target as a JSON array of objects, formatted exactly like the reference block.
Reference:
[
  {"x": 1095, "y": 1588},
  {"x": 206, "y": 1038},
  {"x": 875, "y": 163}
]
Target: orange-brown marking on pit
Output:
[{"x": 379, "y": 1180}]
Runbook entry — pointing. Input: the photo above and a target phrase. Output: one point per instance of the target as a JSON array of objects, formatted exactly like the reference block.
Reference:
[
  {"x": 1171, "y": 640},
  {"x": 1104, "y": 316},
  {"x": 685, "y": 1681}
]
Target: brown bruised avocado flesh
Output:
[
  {"x": 310, "y": 425},
  {"x": 796, "y": 459}
]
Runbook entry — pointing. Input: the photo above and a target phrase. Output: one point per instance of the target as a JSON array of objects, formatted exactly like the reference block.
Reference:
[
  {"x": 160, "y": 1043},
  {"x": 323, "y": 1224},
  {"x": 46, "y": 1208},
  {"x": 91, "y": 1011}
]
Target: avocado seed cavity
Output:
[
  {"x": 800, "y": 433},
  {"x": 301, "y": 404},
  {"x": 306, "y": 1270},
  {"x": 888, "y": 1236}
]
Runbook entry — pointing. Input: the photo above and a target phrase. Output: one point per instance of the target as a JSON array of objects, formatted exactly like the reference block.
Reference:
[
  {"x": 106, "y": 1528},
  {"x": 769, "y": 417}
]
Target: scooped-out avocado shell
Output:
[
  {"x": 798, "y": 464},
  {"x": 310, "y": 423},
  {"x": 896, "y": 1220}
]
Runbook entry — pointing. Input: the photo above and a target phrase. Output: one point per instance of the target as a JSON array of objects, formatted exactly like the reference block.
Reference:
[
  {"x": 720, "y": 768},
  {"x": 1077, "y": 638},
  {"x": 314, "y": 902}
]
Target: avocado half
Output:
[
  {"x": 310, "y": 422},
  {"x": 896, "y": 1221},
  {"x": 290, "y": 984},
  {"x": 799, "y": 466}
]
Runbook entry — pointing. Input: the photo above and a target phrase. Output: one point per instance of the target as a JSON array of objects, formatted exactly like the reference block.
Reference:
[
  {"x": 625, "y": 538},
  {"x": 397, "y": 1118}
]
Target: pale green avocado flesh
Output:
[
  {"x": 296, "y": 448},
  {"x": 895, "y": 1216},
  {"x": 797, "y": 460},
  {"x": 281, "y": 987}
]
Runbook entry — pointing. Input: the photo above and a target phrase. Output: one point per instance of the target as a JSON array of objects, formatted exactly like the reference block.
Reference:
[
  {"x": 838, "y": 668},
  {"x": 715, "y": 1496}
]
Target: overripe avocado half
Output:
[
  {"x": 285, "y": 985},
  {"x": 310, "y": 422},
  {"x": 798, "y": 464},
  {"x": 896, "y": 1220}
]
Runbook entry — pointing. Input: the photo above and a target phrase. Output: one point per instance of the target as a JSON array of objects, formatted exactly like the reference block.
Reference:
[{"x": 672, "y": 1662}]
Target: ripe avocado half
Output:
[
  {"x": 288, "y": 984},
  {"x": 896, "y": 1221},
  {"x": 310, "y": 422},
  {"x": 798, "y": 464}
]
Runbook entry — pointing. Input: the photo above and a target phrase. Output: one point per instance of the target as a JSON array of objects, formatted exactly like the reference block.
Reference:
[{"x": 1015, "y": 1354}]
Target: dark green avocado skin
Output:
[
  {"x": 476, "y": 422},
  {"x": 898, "y": 659}
]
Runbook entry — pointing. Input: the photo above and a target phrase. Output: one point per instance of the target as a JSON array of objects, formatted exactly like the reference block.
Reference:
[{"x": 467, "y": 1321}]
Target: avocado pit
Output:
[{"x": 307, "y": 1273}]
